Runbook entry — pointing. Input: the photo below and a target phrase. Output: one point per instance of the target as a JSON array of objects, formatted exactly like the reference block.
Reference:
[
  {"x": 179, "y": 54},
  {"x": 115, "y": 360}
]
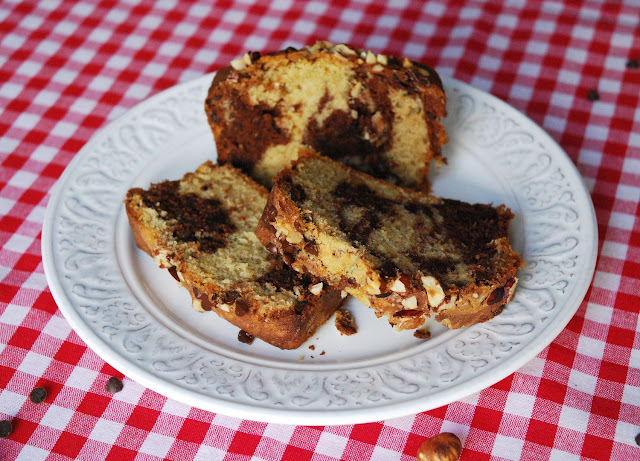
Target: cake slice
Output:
[
  {"x": 379, "y": 114},
  {"x": 201, "y": 228},
  {"x": 406, "y": 254}
]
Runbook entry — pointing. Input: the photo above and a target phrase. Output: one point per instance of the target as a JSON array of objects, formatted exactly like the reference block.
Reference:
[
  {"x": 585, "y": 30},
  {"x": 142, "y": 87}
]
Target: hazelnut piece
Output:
[
  {"x": 435, "y": 293},
  {"x": 316, "y": 289},
  {"x": 371, "y": 58},
  {"x": 442, "y": 447},
  {"x": 398, "y": 286},
  {"x": 410, "y": 302}
]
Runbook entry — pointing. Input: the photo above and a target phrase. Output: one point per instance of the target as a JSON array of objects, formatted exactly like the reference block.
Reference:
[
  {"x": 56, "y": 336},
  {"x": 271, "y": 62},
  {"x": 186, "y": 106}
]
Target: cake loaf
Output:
[
  {"x": 201, "y": 228},
  {"x": 406, "y": 254},
  {"x": 379, "y": 114}
]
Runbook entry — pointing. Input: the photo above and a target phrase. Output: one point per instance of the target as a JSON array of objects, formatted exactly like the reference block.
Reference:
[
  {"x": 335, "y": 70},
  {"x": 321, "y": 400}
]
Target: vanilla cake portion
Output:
[
  {"x": 201, "y": 228},
  {"x": 406, "y": 254},
  {"x": 379, "y": 114}
]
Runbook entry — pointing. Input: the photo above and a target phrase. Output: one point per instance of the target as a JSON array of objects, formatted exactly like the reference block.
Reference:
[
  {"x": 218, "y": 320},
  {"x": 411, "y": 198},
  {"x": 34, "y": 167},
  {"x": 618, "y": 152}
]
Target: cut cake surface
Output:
[
  {"x": 201, "y": 228},
  {"x": 379, "y": 114},
  {"x": 406, "y": 254}
]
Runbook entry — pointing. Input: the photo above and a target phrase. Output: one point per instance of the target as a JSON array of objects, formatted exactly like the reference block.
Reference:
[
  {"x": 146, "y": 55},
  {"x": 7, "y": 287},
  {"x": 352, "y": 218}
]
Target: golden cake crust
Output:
[
  {"x": 406, "y": 254},
  {"x": 201, "y": 228},
  {"x": 379, "y": 114}
]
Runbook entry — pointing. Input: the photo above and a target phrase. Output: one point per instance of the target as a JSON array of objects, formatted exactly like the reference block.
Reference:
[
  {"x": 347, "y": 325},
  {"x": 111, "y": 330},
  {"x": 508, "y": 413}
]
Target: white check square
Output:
[
  {"x": 331, "y": 445},
  {"x": 157, "y": 445},
  {"x": 57, "y": 417},
  {"x": 106, "y": 431},
  {"x": 507, "y": 447}
]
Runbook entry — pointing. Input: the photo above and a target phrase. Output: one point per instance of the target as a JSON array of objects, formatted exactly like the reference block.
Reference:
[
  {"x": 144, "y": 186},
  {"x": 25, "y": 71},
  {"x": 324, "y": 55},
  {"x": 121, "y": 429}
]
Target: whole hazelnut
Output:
[{"x": 442, "y": 447}]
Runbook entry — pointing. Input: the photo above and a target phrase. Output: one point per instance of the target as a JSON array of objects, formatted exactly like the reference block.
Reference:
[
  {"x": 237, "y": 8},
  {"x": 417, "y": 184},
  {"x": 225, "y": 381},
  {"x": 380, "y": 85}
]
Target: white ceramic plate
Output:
[{"x": 136, "y": 317}]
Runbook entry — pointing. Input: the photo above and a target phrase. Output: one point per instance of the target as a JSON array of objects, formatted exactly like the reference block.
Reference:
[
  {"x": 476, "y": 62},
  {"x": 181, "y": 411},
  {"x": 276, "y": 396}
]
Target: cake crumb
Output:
[
  {"x": 345, "y": 323},
  {"x": 422, "y": 333}
]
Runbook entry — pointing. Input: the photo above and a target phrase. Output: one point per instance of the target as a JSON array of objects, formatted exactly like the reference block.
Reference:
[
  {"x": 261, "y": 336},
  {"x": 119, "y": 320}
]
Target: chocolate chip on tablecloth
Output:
[
  {"x": 113, "y": 385},
  {"x": 38, "y": 395},
  {"x": 5, "y": 428}
]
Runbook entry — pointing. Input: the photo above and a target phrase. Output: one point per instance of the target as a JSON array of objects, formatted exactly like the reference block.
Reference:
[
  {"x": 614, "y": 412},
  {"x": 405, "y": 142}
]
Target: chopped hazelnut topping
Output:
[
  {"x": 316, "y": 289},
  {"x": 162, "y": 257},
  {"x": 371, "y": 58},
  {"x": 344, "y": 50},
  {"x": 435, "y": 294},
  {"x": 291, "y": 235},
  {"x": 406, "y": 63},
  {"x": 356, "y": 90},
  {"x": 238, "y": 64},
  {"x": 398, "y": 287},
  {"x": 382, "y": 59},
  {"x": 373, "y": 287},
  {"x": 448, "y": 302},
  {"x": 410, "y": 302}
]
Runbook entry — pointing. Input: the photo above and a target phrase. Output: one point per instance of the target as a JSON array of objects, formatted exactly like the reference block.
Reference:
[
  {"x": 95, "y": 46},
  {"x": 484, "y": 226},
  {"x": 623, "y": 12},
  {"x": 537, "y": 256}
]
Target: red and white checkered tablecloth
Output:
[{"x": 69, "y": 68}]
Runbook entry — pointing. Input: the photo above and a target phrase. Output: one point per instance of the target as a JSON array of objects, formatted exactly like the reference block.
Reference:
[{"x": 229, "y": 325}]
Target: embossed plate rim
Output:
[{"x": 355, "y": 411}]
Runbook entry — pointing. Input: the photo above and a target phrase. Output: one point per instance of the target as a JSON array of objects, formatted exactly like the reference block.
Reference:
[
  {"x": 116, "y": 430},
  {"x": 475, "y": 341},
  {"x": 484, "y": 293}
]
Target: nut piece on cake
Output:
[
  {"x": 406, "y": 254},
  {"x": 201, "y": 228},
  {"x": 379, "y": 114}
]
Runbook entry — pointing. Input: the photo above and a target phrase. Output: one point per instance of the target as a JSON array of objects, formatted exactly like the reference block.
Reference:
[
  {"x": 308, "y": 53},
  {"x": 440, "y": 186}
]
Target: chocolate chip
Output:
[
  {"x": 174, "y": 273},
  {"x": 637, "y": 439},
  {"x": 205, "y": 303},
  {"x": 5, "y": 428},
  {"x": 408, "y": 313},
  {"x": 287, "y": 248},
  {"x": 230, "y": 297},
  {"x": 242, "y": 307},
  {"x": 270, "y": 213},
  {"x": 245, "y": 337},
  {"x": 288, "y": 258},
  {"x": 113, "y": 385},
  {"x": 311, "y": 248},
  {"x": 496, "y": 296},
  {"x": 38, "y": 395},
  {"x": 593, "y": 95},
  {"x": 633, "y": 64}
]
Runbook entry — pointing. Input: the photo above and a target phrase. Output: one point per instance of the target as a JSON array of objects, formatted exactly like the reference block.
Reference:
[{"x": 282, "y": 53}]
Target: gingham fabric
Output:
[{"x": 69, "y": 68}]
